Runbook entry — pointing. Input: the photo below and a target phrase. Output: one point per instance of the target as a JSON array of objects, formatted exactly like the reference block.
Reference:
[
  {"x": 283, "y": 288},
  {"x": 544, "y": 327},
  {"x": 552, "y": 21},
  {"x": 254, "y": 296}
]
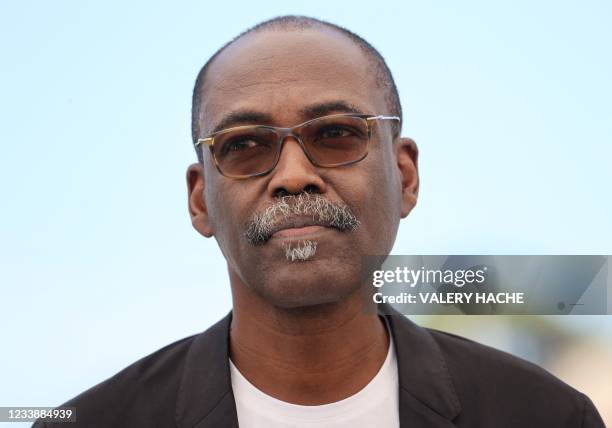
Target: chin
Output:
[{"x": 308, "y": 283}]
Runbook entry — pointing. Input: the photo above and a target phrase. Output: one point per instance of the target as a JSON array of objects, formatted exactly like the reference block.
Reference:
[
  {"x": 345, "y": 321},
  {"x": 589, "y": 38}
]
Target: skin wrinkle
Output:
[
  {"x": 288, "y": 365},
  {"x": 243, "y": 116},
  {"x": 233, "y": 81},
  {"x": 239, "y": 87}
]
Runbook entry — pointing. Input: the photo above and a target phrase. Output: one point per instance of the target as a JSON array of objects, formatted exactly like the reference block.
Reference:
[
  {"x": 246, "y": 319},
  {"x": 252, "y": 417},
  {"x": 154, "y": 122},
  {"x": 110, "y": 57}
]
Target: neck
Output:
[{"x": 309, "y": 356}]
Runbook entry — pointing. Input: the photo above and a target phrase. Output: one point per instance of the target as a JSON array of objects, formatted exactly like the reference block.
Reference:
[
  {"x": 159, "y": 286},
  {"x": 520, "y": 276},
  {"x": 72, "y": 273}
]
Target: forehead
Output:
[{"x": 280, "y": 72}]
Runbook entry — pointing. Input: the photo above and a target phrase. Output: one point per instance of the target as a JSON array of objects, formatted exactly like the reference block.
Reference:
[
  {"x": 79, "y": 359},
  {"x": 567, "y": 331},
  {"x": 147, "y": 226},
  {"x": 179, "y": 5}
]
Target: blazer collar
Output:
[
  {"x": 205, "y": 397},
  {"x": 427, "y": 396}
]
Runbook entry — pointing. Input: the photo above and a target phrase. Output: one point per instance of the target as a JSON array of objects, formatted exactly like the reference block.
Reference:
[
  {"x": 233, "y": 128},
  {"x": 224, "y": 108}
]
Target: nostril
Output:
[
  {"x": 311, "y": 188},
  {"x": 280, "y": 193}
]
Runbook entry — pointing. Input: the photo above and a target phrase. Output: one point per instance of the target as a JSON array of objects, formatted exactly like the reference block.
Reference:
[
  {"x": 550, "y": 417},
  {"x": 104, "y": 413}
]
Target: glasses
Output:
[{"x": 328, "y": 142}]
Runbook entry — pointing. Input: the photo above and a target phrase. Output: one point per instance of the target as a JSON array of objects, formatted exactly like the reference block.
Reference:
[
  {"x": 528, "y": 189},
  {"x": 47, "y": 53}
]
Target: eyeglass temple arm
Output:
[
  {"x": 381, "y": 117},
  {"x": 208, "y": 141},
  {"x": 371, "y": 119}
]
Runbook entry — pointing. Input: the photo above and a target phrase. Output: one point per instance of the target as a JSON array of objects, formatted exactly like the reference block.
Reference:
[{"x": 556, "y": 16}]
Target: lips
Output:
[
  {"x": 297, "y": 227},
  {"x": 298, "y": 231}
]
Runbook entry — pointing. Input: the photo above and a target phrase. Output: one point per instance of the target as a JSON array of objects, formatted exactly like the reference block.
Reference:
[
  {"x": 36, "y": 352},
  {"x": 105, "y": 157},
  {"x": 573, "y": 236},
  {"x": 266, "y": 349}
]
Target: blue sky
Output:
[{"x": 508, "y": 101}]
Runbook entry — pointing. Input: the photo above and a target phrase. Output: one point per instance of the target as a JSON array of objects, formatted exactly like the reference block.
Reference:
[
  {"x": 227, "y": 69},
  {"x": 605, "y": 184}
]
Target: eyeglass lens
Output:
[{"x": 328, "y": 141}]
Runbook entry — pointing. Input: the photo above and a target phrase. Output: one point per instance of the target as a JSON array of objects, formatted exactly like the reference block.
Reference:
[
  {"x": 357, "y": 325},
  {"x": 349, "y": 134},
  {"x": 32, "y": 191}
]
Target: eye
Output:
[
  {"x": 335, "y": 131},
  {"x": 239, "y": 144}
]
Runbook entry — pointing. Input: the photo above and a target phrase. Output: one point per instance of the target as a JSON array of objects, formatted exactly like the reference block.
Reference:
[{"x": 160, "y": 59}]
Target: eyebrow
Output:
[
  {"x": 244, "y": 116},
  {"x": 248, "y": 116},
  {"x": 322, "y": 109}
]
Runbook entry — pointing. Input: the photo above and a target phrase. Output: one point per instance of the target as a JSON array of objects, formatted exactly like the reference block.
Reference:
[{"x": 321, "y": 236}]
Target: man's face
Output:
[{"x": 283, "y": 78}]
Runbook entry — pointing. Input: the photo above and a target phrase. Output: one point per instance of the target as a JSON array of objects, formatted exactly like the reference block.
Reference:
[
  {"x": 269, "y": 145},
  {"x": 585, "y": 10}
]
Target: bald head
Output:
[{"x": 299, "y": 28}]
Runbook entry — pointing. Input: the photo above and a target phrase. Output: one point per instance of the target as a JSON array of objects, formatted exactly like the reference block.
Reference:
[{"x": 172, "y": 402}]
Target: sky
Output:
[{"x": 509, "y": 103}]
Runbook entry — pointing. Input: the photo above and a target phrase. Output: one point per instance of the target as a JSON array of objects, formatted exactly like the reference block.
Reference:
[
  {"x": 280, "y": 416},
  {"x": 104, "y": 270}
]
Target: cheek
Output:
[
  {"x": 374, "y": 192},
  {"x": 226, "y": 214},
  {"x": 390, "y": 195}
]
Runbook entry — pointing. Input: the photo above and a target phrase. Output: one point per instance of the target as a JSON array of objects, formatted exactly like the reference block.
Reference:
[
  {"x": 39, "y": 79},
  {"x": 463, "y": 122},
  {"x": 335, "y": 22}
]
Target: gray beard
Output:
[{"x": 301, "y": 252}]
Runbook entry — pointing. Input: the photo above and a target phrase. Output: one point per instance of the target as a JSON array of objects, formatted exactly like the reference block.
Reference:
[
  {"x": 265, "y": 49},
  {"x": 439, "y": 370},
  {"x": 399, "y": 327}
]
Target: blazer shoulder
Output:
[
  {"x": 142, "y": 394},
  {"x": 467, "y": 357},
  {"x": 146, "y": 389},
  {"x": 506, "y": 384},
  {"x": 161, "y": 366}
]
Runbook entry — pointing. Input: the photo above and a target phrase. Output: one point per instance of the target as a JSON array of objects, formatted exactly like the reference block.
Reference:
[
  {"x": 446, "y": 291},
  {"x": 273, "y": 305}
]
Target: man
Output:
[{"x": 301, "y": 173}]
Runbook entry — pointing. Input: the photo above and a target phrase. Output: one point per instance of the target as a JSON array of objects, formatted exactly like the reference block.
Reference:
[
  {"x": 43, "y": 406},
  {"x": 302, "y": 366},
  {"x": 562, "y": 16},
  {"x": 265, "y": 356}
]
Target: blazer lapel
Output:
[
  {"x": 205, "y": 397},
  {"x": 427, "y": 398}
]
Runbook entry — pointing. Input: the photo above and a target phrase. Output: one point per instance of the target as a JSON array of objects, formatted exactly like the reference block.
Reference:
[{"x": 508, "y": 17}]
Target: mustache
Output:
[{"x": 304, "y": 209}]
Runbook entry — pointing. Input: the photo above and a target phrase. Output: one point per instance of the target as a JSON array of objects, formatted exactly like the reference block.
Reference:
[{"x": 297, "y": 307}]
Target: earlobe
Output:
[
  {"x": 407, "y": 161},
  {"x": 196, "y": 200}
]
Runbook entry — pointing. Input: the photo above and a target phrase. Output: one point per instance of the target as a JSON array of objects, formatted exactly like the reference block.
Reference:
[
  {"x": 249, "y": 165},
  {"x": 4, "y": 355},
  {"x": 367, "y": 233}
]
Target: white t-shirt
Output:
[{"x": 376, "y": 405}]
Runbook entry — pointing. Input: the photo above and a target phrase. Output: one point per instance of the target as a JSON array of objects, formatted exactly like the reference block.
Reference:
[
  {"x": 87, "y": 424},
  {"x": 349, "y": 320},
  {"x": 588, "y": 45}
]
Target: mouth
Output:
[
  {"x": 298, "y": 228},
  {"x": 299, "y": 232}
]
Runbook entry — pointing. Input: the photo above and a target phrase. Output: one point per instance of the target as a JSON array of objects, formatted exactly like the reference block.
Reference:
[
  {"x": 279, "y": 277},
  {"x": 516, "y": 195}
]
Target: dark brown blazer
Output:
[{"x": 444, "y": 381}]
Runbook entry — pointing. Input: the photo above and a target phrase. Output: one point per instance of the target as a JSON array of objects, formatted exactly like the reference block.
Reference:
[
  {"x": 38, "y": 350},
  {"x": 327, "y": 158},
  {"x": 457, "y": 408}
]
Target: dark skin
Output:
[{"x": 299, "y": 330}]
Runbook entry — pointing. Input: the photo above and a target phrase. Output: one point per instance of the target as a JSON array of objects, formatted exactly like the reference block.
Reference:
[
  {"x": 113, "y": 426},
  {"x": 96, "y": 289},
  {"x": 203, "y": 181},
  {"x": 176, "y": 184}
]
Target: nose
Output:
[{"x": 294, "y": 173}]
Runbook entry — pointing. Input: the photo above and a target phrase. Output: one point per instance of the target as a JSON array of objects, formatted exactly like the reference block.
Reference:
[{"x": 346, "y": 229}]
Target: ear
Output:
[
  {"x": 407, "y": 155},
  {"x": 197, "y": 203}
]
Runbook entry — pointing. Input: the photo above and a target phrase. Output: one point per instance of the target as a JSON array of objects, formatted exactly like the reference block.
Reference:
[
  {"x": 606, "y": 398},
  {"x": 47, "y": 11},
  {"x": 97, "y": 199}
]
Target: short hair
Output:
[{"x": 384, "y": 78}]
